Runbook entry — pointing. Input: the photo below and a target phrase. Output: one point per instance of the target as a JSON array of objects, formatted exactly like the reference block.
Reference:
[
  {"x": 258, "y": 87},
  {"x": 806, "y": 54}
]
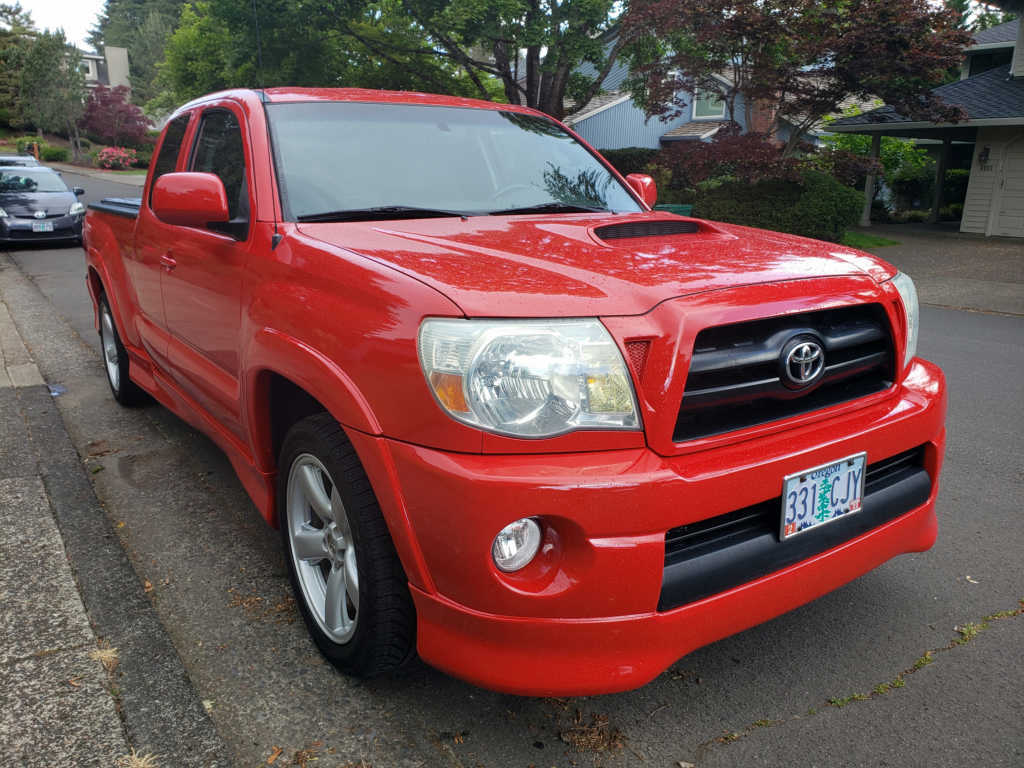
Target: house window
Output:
[{"x": 707, "y": 105}]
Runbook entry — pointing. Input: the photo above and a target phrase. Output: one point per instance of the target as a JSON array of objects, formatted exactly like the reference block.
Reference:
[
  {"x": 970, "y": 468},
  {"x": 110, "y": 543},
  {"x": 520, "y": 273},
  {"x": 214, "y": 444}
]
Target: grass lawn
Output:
[{"x": 865, "y": 241}]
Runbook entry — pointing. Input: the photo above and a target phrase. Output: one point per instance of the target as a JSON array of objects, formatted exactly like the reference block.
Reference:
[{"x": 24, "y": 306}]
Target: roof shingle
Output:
[{"x": 990, "y": 95}]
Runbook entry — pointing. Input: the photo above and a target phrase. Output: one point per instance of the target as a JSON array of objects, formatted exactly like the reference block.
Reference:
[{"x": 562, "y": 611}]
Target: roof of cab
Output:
[{"x": 295, "y": 95}]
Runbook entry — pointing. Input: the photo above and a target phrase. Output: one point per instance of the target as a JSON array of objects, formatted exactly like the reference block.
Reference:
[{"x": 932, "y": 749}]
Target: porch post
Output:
[
  {"x": 940, "y": 178},
  {"x": 869, "y": 183}
]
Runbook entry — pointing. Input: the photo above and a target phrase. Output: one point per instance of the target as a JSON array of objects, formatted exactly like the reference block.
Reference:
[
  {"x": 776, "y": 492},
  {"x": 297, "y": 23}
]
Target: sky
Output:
[{"x": 75, "y": 16}]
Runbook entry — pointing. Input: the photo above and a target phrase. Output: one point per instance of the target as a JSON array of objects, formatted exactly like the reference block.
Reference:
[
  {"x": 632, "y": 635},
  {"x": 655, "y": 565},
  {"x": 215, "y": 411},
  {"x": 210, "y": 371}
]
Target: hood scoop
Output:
[{"x": 634, "y": 229}]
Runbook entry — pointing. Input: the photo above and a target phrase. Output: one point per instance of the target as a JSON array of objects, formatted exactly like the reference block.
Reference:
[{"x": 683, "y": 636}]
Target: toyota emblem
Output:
[
  {"x": 40, "y": 214},
  {"x": 803, "y": 362}
]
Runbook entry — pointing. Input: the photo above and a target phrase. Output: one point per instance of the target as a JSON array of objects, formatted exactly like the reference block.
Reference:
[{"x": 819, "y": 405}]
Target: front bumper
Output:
[
  {"x": 584, "y": 616},
  {"x": 15, "y": 230}
]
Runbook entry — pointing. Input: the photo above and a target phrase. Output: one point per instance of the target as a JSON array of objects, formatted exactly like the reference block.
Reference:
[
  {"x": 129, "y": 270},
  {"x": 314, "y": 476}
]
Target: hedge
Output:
[
  {"x": 817, "y": 206},
  {"x": 629, "y": 160},
  {"x": 25, "y": 143},
  {"x": 54, "y": 155}
]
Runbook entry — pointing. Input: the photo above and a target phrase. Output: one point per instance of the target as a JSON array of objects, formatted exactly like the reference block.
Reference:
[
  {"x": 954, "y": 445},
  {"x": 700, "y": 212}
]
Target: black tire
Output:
[
  {"x": 125, "y": 391},
  {"x": 384, "y": 633}
]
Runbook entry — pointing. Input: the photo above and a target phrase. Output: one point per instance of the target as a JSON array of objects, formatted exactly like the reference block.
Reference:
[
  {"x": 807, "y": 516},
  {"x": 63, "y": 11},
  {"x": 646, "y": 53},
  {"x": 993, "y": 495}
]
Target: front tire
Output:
[
  {"x": 348, "y": 581},
  {"x": 115, "y": 360}
]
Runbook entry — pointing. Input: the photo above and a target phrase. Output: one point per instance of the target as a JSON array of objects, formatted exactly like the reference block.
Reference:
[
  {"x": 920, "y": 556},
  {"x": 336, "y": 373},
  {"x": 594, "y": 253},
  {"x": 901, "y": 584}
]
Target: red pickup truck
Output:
[{"x": 505, "y": 414}]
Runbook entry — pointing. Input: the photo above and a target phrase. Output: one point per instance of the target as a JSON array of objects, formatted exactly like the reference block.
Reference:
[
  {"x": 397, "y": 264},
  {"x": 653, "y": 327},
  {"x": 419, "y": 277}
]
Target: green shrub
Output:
[
  {"x": 142, "y": 157},
  {"x": 954, "y": 188},
  {"x": 629, "y": 160},
  {"x": 910, "y": 217},
  {"x": 25, "y": 144},
  {"x": 953, "y": 212},
  {"x": 817, "y": 206},
  {"x": 54, "y": 155},
  {"x": 84, "y": 143}
]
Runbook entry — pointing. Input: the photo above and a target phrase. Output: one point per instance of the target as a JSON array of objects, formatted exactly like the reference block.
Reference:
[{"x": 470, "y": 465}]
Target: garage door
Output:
[{"x": 1010, "y": 214}]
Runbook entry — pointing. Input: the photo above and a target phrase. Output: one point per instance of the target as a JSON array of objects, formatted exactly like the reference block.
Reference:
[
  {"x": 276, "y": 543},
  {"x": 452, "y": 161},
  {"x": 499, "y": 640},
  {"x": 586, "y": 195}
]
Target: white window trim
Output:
[{"x": 695, "y": 116}]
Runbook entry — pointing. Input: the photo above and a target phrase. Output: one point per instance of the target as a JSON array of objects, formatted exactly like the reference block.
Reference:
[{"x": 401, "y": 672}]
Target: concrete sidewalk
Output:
[
  {"x": 57, "y": 705},
  {"x": 135, "y": 179},
  {"x": 88, "y": 674}
]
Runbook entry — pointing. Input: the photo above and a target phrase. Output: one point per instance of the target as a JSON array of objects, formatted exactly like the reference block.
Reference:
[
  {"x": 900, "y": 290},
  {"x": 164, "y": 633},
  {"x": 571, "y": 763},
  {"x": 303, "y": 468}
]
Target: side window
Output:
[
  {"x": 218, "y": 149},
  {"x": 167, "y": 160}
]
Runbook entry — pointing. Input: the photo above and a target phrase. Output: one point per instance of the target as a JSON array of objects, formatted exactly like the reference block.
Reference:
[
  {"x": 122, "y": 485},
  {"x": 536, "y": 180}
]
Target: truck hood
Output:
[{"x": 571, "y": 266}]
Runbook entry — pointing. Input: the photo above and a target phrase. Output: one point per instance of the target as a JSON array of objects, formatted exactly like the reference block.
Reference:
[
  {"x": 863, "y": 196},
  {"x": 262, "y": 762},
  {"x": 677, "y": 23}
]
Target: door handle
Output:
[{"x": 167, "y": 261}]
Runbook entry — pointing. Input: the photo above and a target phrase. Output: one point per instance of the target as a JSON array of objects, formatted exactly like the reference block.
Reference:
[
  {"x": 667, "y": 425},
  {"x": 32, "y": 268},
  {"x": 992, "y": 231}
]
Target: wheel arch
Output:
[{"x": 276, "y": 401}]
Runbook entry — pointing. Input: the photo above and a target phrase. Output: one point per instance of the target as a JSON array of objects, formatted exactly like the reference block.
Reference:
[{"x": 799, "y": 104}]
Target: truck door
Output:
[
  {"x": 203, "y": 279},
  {"x": 145, "y": 262}
]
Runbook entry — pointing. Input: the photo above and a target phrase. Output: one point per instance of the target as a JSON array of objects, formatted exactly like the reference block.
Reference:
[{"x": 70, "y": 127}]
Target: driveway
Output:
[
  {"x": 913, "y": 664},
  {"x": 958, "y": 271}
]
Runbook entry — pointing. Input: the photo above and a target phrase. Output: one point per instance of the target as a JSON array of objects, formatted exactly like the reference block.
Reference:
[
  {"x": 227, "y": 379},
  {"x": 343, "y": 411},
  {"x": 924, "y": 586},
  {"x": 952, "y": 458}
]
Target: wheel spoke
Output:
[
  {"x": 334, "y": 599},
  {"x": 309, "y": 544},
  {"x": 313, "y": 490},
  {"x": 352, "y": 577}
]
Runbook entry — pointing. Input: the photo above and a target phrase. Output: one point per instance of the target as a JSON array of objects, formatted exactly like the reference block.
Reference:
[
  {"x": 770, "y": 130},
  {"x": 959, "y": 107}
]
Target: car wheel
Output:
[
  {"x": 349, "y": 583},
  {"x": 115, "y": 360}
]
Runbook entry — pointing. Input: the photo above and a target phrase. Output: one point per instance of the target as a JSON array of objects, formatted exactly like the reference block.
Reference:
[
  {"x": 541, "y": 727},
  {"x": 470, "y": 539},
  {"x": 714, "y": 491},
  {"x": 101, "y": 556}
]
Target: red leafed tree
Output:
[
  {"x": 111, "y": 118},
  {"x": 796, "y": 59}
]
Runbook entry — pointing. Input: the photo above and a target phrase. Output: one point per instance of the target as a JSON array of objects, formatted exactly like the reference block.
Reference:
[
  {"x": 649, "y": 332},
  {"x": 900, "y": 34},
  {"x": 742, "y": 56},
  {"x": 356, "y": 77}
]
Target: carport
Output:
[{"x": 994, "y": 102}]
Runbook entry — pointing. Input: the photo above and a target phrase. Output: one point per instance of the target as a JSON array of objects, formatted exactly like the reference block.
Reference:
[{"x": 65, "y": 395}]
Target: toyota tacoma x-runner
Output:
[{"x": 505, "y": 414}]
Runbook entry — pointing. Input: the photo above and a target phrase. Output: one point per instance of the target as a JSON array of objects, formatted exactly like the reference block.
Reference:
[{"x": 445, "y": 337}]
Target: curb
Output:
[{"x": 158, "y": 711}]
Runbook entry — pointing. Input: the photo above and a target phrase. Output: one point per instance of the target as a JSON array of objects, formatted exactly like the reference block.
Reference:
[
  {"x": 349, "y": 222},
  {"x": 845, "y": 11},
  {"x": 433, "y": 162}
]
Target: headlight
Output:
[
  {"x": 76, "y": 208},
  {"x": 908, "y": 294},
  {"x": 3, "y": 213},
  {"x": 528, "y": 378}
]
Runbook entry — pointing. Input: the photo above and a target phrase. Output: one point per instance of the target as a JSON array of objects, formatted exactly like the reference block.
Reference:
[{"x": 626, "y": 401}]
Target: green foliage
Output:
[
  {"x": 954, "y": 188},
  {"x": 24, "y": 144},
  {"x": 817, "y": 206},
  {"x": 630, "y": 159},
  {"x": 52, "y": 84},
  {"x": 898, "y": 156},
  {"x": 15, "y": 41},
  {"x": 54, "y": 155},
  {"x": 534, "y": 49},
  {"x": 953, "y": 212},
  {"x": 330, "y": 44}
]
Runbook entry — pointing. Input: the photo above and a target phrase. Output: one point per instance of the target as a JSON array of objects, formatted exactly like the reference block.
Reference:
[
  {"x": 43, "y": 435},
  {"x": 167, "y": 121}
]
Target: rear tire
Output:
[
  {"x": 348, "y": 581},
  {"x": 115, "y": 360}
]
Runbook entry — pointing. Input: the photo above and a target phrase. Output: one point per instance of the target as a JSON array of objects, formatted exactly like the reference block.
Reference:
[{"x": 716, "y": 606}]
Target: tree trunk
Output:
[
  {"x": 869, "y": 183},
  {"x": 940, "y": 178}
]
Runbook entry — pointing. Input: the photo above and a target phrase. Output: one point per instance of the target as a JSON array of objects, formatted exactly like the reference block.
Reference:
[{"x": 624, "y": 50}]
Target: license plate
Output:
[
  {"x": 42, "y": 226},
  {"x": 822, "y": 494}
]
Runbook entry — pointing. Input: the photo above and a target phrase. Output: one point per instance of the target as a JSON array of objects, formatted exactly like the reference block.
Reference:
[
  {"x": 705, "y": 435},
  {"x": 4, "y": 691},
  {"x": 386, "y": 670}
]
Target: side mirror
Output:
[
  {"x": 190, "y": 199},
  {"x": 644, "y": 186},
  {"x": 78, "y": 191}
]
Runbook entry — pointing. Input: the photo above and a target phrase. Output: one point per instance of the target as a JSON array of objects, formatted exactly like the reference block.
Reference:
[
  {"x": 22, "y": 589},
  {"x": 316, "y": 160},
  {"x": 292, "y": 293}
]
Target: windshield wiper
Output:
[
  {"x": 383, "y": 212},
  {"x": 552, "y": 207}
]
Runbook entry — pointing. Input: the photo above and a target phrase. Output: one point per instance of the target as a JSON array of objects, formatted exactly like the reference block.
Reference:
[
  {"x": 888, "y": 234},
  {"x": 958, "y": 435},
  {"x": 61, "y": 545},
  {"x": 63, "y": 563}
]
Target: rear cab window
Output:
[
  {"x": 167, "y": 159},
  {"x": 218, "y": 149}
]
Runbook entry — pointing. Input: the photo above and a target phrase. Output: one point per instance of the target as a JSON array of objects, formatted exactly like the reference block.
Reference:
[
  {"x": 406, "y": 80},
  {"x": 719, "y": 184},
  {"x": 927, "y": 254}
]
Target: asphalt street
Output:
[{"x": 215, "y": 577}]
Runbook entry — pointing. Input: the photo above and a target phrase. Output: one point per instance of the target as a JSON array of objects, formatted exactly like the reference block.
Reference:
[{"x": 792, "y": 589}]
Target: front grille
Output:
[
  {"x": 722, "y": 552},
  {"x": 735, "y": 378}
]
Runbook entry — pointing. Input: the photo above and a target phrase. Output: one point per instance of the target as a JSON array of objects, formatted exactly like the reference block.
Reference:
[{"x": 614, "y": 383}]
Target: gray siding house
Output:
[{"x": 992, "y": 93}]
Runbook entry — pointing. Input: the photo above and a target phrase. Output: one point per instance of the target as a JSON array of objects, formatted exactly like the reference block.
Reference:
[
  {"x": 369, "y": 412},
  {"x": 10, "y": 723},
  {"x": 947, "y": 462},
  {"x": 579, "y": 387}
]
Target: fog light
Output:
[{"x": 516, "y": 544}]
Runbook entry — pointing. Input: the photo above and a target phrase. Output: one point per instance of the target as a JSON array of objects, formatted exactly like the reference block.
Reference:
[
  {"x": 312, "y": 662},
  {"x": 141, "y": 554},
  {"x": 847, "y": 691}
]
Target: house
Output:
[
  {"x": 611, "y": 120},
  {"x": 109, "y": 68},
  {"x": 991, "y": 91}
]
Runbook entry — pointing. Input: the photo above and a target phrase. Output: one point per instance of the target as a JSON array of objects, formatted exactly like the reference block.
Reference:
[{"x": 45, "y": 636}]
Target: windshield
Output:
[
  {"x": 343, "y": 156},
  {"x": 26, "y": 180}
]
